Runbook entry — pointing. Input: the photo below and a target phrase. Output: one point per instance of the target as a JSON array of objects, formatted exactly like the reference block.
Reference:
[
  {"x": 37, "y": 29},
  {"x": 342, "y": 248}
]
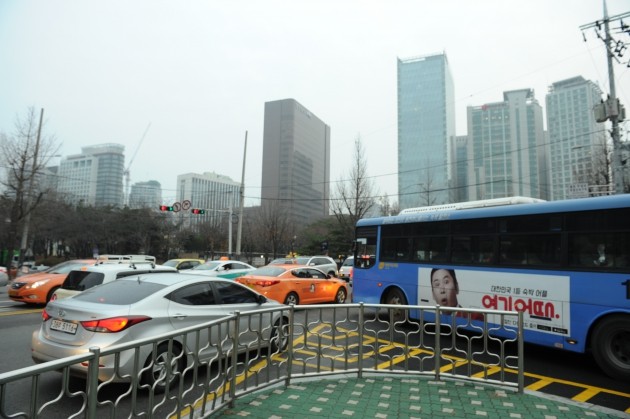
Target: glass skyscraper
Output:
[
  {"x": 506, "y": 148},
  {"x": 94, "y": 177},
  {"x": 577, "y": 143},
  {"x": 296, "y": 161},
  {"x": 426, "y": 123}
]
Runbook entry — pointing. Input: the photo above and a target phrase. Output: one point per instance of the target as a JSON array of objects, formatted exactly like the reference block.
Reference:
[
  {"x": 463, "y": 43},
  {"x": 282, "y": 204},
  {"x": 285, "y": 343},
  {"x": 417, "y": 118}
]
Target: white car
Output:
[
  {"x": 229, "y": 269},
  {"x": 92, "y": 275},
  {"x": 4, "y": 276},
  {"x": 346, "y": 268},
  {"x": 144, "y": 306}
]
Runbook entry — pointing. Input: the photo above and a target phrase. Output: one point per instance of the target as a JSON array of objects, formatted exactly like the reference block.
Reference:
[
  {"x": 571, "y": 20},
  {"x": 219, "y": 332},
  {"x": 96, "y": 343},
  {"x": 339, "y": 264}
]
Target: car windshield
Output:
[
  {"x": 268, "y": 271},
  {"x": 302, "y": 261},
  {"x": 208, "y": 266},
  {"x": 122, "y": 292},
  {"x": 65, "y": 267}
]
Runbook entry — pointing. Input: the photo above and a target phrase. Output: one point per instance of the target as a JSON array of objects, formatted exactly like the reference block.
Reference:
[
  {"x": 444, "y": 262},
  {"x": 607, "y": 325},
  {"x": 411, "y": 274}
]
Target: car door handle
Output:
[{"x": 180, "y": 316}]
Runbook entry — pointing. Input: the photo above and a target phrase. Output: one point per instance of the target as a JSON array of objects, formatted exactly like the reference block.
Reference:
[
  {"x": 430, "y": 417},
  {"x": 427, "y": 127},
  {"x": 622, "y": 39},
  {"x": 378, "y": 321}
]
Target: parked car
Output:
[
  {"x": 138, "y": 307},
  {"x": 222, "y": 269},
  {"x": 346, "y": 268},
  {"x": 296, "y": 284},
  {"x": 38, "y": 288},
  {"x": 4, "y": 276},
  {"x": 324, "y": 263},
  {"x": 183, "y": 264},
  {"x": 90, "y": 276}
]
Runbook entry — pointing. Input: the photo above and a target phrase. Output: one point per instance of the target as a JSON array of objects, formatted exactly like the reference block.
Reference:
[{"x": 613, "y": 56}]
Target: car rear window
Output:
[
  {"x": 267, "y": 271},
  {"x": 82, "y": 280},
  {"x": 122, "y": 292},
  {"x": 348, "y": 262}
]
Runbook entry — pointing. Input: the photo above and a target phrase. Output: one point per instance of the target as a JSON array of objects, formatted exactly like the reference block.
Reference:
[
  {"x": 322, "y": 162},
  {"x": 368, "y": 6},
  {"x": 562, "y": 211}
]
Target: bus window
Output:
[
  {"x": 532, "y": 249},
  {"x": 599, "y": 250}
]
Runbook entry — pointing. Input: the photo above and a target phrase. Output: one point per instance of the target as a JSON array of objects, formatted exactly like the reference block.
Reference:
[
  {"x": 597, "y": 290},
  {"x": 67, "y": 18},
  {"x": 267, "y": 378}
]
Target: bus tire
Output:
[
  {"x": 610, "y": 344},
  {"x": 395, "y": 296}
]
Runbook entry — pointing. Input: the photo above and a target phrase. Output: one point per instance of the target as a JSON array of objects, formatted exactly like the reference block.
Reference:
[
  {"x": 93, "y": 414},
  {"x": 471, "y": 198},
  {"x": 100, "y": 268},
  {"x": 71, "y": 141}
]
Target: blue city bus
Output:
[{"x": 564, "y": 264}]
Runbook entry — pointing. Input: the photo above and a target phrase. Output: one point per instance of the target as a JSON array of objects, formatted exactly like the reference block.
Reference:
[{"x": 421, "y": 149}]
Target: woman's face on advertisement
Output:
[{"x": 444, "y": 288}]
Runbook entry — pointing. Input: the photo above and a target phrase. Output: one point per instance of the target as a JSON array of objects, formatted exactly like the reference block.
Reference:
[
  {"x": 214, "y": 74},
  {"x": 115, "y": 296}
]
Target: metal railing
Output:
[{"x": 243, "y": 354}]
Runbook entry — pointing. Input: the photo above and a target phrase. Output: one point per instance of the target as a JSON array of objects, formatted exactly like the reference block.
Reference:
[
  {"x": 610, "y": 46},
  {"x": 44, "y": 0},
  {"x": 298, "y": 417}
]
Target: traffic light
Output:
[
  {"x": 198, "y": 211},
  {"x": 165, "y": 208}
]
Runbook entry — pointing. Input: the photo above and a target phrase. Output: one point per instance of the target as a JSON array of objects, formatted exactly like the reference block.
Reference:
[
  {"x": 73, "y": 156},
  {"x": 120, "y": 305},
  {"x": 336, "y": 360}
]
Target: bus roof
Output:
[
  {"x": 473, "y": 204},
  {"x": 450, "y": 212}
]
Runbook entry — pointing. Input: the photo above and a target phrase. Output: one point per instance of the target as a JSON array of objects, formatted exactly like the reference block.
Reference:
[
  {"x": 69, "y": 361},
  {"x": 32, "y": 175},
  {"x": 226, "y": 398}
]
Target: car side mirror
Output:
[{"x": 261, "y": 299}]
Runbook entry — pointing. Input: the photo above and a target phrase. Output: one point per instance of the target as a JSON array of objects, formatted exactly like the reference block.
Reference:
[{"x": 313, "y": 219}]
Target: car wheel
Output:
[
  {"x": 292, "y": 298},
  {"x": 396, "y": 297},
  {"x": 610, "y": 344},
  {"x": 155, "y": 375},
  {"x": 279, "y": 339},
  {"x": 333, "y": 274},
  {"x": 341, "y": 295}
]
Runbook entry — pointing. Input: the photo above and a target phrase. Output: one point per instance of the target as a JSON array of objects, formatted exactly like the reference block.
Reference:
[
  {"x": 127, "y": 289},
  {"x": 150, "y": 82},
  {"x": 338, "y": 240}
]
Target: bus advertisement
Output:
[{"x": 564, "y": 264}]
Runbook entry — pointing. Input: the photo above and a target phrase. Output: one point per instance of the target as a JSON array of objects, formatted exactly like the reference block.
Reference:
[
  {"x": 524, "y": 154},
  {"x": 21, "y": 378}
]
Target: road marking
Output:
[
  {"x": 386, "y": 345},
  {"x": 18, "y": 312}
]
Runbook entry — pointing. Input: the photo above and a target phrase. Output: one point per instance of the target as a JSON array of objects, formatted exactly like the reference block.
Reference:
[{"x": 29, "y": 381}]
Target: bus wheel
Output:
[
  {"x": 611, "y": 346},
  {"x": 396, "y": 297}
]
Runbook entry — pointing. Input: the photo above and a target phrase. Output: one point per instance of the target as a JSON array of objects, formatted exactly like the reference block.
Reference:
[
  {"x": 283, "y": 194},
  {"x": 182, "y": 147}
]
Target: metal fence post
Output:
[
  {"x": 521, "y": 355},
  {"x": 92, "y": 381},
  {"x": 361, "y": 321},
  {"x": 232, "y": 378},
  {"x": 438, "y": 337},
  {"x": 290, "y": 344}
]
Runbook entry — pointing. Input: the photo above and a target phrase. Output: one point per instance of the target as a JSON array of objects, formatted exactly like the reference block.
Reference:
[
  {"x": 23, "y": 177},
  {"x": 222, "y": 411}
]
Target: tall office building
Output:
[
  {"x": 426, "y": 122},
  {"x": 506, "y": 148},
  {"x": 296, "y": 161},
  {"x": 577, "y": 143},
  {"x": 146, "y": 195},
  {"x": 216, "y": 194},
  {"x": 459, "y": 150},
  {"x": 94, "y": 177}
]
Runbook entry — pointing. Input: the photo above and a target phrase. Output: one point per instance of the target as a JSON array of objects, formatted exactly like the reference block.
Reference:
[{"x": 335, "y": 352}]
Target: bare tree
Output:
[
  {"x": 428, "y": 196},
  {"x": 25, "y": 154},
  {"x": 354, "y": 196},
  {"x": 275, "y": 226}
]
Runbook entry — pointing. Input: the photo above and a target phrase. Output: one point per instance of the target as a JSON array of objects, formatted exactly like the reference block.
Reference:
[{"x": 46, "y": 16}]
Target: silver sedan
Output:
[{"x": 145, "y": 306}]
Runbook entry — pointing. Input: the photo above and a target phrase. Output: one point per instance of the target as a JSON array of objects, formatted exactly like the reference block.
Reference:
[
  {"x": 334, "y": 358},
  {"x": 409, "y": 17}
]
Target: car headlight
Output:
[{"x": 37, "y": 284}]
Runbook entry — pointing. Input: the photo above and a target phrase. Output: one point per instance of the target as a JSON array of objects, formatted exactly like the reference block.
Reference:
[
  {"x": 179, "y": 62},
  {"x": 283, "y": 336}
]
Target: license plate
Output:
[{"x": 65, "y": 327}]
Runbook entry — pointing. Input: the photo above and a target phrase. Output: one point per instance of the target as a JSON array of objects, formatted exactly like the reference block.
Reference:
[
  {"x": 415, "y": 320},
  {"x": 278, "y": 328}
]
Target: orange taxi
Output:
[
  {"x": 38, "y": 288},
  {"x": 296, "y": 284}
]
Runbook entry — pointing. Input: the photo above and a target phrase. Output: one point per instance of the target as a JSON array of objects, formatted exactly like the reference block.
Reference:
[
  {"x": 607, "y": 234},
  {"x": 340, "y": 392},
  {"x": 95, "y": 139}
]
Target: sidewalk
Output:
[{"x": 386, "y": 397}]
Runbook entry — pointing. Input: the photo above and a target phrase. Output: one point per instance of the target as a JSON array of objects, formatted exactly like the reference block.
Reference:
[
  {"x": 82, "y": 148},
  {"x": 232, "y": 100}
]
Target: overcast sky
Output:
[{"x": 199, "y": 72}]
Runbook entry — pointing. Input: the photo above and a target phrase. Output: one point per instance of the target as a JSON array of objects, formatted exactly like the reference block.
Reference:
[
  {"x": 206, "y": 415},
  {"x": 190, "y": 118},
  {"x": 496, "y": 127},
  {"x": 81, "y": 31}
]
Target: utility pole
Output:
[
  {"x": 242, "y": 203},
  {"x": 611, "y": 109},
  {"x": 29, "y": 199}
]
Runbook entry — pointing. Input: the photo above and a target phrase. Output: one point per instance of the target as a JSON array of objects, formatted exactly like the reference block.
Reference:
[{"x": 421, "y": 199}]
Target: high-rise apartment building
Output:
[
  {"x": 426, "y": 123},
  {"x": 216, "y": 194},
  {"x": 296, "y": 162},
  {"x": 146, "y": 195},
  {"x": 94, "y": 177},
  {"x": 577, "y": 143},
  {"x": 506, "y": 148}
]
